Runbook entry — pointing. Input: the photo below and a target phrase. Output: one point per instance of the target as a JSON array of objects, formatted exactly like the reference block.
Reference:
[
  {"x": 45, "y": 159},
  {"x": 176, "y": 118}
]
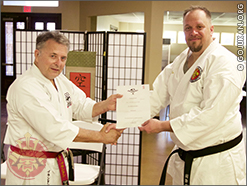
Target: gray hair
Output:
[{"x": 55, "y": 35}]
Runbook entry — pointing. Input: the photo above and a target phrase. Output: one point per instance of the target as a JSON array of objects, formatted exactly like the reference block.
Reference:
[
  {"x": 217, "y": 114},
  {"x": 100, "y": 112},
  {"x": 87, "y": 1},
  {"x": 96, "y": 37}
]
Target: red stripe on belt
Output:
[
  {"x": 32, "y": 153},
  {"x": 46, "y": 154}
]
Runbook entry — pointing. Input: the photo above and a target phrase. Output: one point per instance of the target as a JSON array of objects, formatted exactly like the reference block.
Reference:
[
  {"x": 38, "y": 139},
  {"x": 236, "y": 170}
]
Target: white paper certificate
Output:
[{"x": 133, "y": 109}]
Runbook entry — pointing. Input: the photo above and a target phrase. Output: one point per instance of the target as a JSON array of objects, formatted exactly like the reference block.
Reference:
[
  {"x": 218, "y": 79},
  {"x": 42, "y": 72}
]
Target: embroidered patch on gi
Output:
[
  {"x": 68, "y": 99},
  {"x": 196, "y": 74}
]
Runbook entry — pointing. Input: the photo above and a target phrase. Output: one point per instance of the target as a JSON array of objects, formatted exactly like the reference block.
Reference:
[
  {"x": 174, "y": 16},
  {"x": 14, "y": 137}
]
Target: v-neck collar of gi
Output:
[{"x": 36, "y": 72}]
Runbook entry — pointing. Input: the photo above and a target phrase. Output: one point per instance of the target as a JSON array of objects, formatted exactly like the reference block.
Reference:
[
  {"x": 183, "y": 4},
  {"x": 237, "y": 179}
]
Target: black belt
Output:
[
  {"x": 71, "y": 165},
  {"x": 188, "y": 156}
]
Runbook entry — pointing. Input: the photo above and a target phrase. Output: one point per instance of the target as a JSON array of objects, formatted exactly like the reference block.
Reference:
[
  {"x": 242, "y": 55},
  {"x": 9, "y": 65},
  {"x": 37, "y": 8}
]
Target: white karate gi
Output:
[
  {"x": 34, "y": 106},
  {"x": 204, "y": 113}
]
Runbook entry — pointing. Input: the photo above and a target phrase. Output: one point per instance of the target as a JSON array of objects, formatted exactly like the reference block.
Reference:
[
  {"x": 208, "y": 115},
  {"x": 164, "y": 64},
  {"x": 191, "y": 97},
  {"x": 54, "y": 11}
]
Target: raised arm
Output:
[{"x": 106, "y": 105}]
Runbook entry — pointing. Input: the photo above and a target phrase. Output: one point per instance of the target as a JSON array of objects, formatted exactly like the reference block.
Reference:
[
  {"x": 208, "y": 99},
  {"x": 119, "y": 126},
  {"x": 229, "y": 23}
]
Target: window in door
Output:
[
  {"x": 39, "y": 26},
  {"x": 20, "y": 21},
  {"x": 51, "y": 26},
  {"x": 20, "y": 25},
  {"x": 9, "y": 49}
]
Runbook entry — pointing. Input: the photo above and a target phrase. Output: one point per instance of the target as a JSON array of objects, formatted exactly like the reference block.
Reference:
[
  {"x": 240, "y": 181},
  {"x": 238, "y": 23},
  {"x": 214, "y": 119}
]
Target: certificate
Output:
[{"x": 133, "y": 109}]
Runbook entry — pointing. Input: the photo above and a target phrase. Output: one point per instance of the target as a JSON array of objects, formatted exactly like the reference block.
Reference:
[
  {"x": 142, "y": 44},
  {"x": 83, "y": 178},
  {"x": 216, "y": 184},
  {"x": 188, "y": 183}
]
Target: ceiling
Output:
[{"x": 226, "y": 19}]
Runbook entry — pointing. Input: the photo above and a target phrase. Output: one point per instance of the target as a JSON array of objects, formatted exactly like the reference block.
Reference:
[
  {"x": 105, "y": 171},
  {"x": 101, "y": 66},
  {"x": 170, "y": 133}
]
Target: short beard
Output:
[{"x": 195, "y": 49}]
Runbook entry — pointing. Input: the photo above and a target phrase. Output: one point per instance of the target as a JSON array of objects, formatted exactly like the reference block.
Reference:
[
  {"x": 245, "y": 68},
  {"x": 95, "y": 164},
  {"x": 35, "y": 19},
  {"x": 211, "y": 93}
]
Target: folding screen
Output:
[
  {"x": 24, "y": 50},
  {"x": 77, "y": 40},
  {"x": 125, "y": 57},
  {"x": 25, "y": 44},
  {"x": 119, "y": 61},
  {"x": 96, "y": 43}
]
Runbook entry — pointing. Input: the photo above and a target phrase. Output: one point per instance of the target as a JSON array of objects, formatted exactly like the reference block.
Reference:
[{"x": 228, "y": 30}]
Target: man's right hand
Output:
[{"x": 111, "y": 136}]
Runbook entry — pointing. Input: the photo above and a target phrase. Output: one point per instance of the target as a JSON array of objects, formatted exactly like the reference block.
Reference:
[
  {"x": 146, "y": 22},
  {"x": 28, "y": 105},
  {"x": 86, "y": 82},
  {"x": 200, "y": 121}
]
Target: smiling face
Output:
[
  {"x": 198, "y": 30},
  {"x": 51, "y": 58}
]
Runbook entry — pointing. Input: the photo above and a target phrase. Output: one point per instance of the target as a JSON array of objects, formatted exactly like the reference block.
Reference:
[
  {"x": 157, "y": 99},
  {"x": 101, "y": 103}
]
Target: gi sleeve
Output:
[
  {"x": 82, "y": 106},
  {"x": 49, "y": 123},
  {"x": 160, "y": 98}
]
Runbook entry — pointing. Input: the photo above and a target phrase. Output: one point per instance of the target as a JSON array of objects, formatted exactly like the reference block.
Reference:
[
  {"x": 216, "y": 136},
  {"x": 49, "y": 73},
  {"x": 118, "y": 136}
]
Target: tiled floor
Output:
[{"x": 155, "y": 150}]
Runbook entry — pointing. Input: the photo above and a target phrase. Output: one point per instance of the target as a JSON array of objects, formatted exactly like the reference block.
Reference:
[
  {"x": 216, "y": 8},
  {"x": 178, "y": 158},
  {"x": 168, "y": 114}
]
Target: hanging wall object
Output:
[{"x": 80, "y": 69}]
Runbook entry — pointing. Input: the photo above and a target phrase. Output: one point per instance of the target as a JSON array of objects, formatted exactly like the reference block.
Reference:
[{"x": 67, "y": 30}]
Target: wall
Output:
[
  {"x": 76, "y": 15},
  {"x": 231, "y": 29},
  {"x": 176, "y": 48},
  {"x": 131, "y": 27},
  {"x": 104, "y": 22},
  {"x": 153, "y": 26},
  {"x": 70, "y": 11}
]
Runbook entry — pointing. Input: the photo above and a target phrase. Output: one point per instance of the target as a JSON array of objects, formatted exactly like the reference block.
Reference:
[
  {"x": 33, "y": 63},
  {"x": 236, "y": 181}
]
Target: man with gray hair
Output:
[
  {"x": 41, "y": 105},
  {"x": 204, "y": 89}
]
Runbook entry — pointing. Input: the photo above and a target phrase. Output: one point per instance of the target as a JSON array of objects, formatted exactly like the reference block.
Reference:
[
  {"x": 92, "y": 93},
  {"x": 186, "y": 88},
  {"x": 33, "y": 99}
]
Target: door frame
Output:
[{"x": 29, "y": 19}]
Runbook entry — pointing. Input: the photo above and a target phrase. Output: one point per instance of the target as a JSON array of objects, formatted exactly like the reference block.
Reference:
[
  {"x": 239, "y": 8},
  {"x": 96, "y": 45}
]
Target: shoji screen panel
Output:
[
  {"x": 25, "y": 45},
  {"x": 125, "y": 66},
  {"x": 96, "y": 43},
  {"x": 77, "y": 40}
]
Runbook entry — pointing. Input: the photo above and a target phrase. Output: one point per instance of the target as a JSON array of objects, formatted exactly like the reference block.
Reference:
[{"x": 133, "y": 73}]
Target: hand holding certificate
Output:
[{"x": 133, "y": 108}]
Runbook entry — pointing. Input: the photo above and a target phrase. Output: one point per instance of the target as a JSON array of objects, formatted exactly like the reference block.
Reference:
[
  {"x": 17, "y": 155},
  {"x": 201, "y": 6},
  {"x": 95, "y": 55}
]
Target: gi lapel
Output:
[{"x": 193, "y": 73}]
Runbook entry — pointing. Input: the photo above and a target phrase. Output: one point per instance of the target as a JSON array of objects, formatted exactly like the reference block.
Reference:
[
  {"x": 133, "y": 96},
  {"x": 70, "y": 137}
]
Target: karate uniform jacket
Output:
[
  {"x": 37, "y": 111},
  {"x": 204, "y": 111}
]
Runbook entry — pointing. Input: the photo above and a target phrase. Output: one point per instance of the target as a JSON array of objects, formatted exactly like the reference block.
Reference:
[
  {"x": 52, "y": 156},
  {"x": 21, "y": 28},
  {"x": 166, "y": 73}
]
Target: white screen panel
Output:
[{"x": 125, "y": 60}]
